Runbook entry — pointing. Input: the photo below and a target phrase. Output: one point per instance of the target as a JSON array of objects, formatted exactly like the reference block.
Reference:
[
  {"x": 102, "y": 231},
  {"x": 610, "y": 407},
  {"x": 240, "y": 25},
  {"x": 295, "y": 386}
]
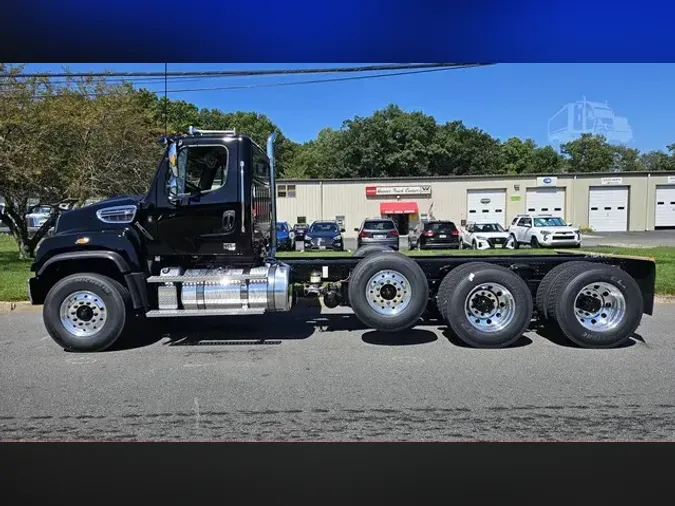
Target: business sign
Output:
[
  {"x": 388, "y": 191},
  {"x": 671, "y": 179},
  {"x": 547, "y": 181},
  {"x": 611, "y": 180}
]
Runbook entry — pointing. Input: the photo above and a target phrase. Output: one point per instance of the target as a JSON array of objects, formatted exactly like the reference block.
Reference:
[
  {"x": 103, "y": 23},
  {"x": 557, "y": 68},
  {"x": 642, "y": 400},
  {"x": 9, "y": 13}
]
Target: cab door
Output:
[{"x": 208, "y": 216}]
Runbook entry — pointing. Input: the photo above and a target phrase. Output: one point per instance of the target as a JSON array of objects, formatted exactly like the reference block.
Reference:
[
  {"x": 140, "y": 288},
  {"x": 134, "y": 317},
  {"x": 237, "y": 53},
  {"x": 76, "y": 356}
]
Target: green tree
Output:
[
  {"x": 627, "y": 159},
  {"x": 589, "y": 153},
  {"x": 518, "y": 155},
  {"x": 657, "y": 161},
  {"x": 78, "y": 140},
  {"x": 467, "y": 151}
]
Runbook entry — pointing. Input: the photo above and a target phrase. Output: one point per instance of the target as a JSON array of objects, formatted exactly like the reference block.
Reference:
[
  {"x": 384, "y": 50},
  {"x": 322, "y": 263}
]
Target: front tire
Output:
[
  {"x": 388, "y": 292},
  {"x": 86, "y": 312},
  {"x": 534, "y": 242}
]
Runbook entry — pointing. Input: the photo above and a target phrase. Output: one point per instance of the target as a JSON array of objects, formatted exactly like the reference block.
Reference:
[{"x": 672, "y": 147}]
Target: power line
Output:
[
  {"x": 315, "y": 81},
  {"x": 274, "y": 85},
  {"x": 237, "y": 73}
]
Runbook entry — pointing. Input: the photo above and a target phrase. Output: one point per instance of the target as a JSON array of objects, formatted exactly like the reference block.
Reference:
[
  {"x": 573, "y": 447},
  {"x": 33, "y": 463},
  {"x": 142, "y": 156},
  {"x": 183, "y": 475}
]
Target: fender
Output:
[
  {"x": 121, "y": 247},
  {"x": 121, "y": 264},
  {"x": 125, "y": 243}
]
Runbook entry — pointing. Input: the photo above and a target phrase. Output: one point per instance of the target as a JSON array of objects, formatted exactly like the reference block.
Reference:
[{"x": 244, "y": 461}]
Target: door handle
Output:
[{"x": 228, "y": 221}]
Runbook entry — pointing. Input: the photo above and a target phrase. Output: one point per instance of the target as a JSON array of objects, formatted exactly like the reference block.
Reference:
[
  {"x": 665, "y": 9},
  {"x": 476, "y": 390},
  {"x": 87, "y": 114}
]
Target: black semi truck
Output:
[{"x": 202, "y": 242}]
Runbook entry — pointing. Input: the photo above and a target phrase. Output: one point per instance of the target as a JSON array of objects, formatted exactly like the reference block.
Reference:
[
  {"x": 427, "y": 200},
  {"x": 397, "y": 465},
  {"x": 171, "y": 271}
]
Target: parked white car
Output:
[
  {"x": 483, "y": 235},
  {"x": 37, "y": 218},
  {"x": 543, "y": 231}
]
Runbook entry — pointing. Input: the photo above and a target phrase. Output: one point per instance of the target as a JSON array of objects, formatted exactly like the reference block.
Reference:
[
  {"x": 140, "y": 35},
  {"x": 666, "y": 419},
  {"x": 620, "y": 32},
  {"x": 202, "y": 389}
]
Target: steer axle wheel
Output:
[
  {"x": 86, "y": 312},
  {"x": 595, "y": 305},
  {"x": 388, "y": 292},
  {"x": 485, "y": 305}
]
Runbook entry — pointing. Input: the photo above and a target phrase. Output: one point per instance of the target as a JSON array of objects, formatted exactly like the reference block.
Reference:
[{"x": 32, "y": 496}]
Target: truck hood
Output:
[{"x": 84, "y": 218}]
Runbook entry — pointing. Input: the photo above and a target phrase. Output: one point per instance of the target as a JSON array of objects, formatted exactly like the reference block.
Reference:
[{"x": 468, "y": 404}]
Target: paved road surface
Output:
[{"x": 322, "y": 377}]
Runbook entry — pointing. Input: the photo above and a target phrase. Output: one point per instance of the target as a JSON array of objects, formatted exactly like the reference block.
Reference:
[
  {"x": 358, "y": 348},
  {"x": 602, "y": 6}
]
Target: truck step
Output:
[
  {"x": 205, "y": 278},
  {"x": 165, "y": 313}
]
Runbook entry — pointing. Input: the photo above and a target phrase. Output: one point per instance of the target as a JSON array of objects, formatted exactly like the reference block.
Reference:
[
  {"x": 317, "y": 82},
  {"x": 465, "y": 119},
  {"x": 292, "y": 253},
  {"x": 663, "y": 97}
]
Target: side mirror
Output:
[{"x": 173, "y": 189}]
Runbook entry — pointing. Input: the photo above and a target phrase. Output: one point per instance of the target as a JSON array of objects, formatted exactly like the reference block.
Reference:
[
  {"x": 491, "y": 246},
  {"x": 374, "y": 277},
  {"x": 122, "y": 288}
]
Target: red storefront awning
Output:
[{"x": 398, "y": 208}]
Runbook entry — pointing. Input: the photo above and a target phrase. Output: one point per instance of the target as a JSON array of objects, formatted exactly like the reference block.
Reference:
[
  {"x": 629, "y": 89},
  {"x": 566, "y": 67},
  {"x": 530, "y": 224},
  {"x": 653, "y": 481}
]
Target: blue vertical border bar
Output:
[{"x": 348, "y": 30}]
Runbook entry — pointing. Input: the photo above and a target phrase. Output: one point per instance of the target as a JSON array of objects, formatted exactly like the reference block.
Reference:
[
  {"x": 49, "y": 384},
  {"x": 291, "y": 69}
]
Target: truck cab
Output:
[{"x": 202, "y": 238}]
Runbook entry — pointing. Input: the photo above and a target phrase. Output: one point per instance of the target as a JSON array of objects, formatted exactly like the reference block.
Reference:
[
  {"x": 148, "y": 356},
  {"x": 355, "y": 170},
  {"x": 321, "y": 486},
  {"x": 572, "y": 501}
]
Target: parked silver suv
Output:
[{"x": 378, "y": 231}]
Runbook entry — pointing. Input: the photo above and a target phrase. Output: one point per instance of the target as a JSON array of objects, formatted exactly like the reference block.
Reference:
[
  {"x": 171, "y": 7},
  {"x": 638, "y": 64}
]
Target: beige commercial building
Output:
[{"x": 633, "y": 201}]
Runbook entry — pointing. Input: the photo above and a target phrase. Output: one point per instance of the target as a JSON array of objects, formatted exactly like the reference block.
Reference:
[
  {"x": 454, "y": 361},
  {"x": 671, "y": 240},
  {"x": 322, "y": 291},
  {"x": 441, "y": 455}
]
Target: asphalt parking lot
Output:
[{"x": 319, "y": 375}]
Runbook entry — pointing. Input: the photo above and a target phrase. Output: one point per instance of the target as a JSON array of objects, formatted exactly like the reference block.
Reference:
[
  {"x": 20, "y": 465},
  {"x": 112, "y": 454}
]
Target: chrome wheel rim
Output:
[
  {"x": 83, "y": 313},
  {"x": 388, "y": 292},
  {"x": 599, "y": 307},
  {"x": 490, "y": 307}
]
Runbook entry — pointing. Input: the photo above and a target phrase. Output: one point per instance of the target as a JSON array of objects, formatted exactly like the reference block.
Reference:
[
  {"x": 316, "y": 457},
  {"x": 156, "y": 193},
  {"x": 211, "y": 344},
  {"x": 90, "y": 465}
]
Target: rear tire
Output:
[
  {"x": 388, "y": 292},
  {"x": 86, "y": 312},
  {"x": 485, "y": 305},
  {"x": 542, "y": 297},
  {"x": 597, "y": 306}
]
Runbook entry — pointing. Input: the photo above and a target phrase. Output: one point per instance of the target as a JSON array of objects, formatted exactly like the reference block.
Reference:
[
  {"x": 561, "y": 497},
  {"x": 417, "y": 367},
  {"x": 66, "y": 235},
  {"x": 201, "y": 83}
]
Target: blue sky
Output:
[{"x": 506, "y": 100}]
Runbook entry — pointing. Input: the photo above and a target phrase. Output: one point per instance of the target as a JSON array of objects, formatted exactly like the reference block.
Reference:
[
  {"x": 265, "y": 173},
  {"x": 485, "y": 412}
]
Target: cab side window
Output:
[{"x": 203, "y": 168}]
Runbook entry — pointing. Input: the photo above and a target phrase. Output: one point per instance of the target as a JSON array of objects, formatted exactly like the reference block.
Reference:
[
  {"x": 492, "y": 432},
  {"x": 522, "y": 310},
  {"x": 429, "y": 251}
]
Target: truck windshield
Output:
[{"x": 549, "y": 222}]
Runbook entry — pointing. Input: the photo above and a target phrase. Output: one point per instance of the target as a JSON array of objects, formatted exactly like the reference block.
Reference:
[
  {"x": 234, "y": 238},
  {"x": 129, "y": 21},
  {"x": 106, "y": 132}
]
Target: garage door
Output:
[
  {"x": 486, "y": 205},
  {"x": 546, "y": 200},
  {"x": 665, "y": 206},
  {"x": 608, "y": 208}
]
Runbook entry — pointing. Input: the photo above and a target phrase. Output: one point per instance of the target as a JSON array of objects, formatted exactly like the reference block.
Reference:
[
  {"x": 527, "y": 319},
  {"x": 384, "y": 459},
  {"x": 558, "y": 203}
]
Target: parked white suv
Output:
[
  {"x": 483, "y": 235},
  {"x": 543, "y": 231}
]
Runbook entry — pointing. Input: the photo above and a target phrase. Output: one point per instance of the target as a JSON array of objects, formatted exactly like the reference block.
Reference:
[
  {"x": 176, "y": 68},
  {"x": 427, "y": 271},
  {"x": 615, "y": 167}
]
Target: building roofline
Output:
[{"x": 474, "y": 176}]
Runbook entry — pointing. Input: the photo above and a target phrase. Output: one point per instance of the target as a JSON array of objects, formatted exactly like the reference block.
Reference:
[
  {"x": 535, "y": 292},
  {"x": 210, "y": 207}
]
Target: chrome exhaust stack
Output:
[{"x": 273, "y": 193}]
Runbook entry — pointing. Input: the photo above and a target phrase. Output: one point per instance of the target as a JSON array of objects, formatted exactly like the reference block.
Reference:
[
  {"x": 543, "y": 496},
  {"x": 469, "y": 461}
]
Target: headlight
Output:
[
  {"x": 308, "y": 238},
  {"x": 545, "y": 235},
  {"x": 480, "y": 238},
  {"x": 337, "y": 238}
]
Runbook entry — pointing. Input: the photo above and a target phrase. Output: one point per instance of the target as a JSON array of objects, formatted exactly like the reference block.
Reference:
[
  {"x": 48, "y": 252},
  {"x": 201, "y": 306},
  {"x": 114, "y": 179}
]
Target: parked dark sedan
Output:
[
  {"x": 434, "y": 234},
  {"x": 324, "y": 235}
]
